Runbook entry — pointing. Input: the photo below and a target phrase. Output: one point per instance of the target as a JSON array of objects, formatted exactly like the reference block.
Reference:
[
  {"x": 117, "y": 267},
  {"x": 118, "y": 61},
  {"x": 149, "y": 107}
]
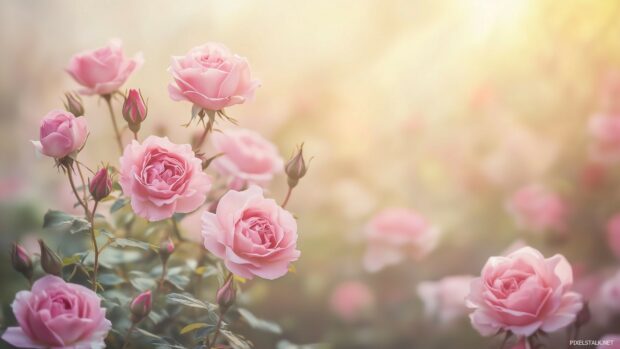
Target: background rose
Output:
[
  {"x": 395, "y": 233},
  {"x": 537, "y": 208},
  {"x": 609, "y": 293},
  {"x": 103, "y": 70},
  {"x": 162, "y": 178},
  {"x": 212, "y": 77},
  {"x": 522, "y": 293},
  {"x": 58, "y": 314},
  {"x": 350, "y": 299},
  {"x": 605, "y": 132},
  {"x": 253, "y": 235},
  {"x": 445, "y": 298},
  {"x": 61, "y": 134},
  {"x": 248, "y": 157}
]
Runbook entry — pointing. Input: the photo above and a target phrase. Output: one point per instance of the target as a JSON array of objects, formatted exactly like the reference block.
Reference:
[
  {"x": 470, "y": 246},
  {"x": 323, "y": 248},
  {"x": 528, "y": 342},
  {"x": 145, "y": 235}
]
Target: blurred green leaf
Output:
[
  {"x": 188, "y": 301},
  {"x": 259, "y": 324},
  {"x": 118, "y": 204},
  {"x": 193, "y": 327},
  {"x": 64, "y": 222},
  {"x": 110, "y": 279},
  {"x": 236, "y": 341}
]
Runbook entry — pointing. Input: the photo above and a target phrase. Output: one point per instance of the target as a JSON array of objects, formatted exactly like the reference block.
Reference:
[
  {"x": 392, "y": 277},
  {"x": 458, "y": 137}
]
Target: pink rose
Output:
[
  {"x": 350, "y": 300},
  {"x": 211, "y": 77},
  {"x": 61, "y": 134},
  {"x": 610, "y": 341},
  {"x": 605, "y": 132},
  {"x": 445, "y": 299},
  {"x": 162, "y": 178},
  {"x": 609, "y": 294},
  {"x": 396, "y": 233},
  {"x": 104, "y": 70},
  {"x": 58, "y": 314},
  {"x": 253, "y": 235},
  {"x": 248, "y": 157},
  {"x": 613, "y": 234},
  {"x": 523, "y": 292},
  {"x": 536, "y": 208}
]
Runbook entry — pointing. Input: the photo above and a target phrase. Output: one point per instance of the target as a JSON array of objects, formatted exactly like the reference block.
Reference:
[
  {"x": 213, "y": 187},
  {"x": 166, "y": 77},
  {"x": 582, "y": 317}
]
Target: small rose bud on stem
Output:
[
  {"x": 295, "y": 170},
  {"x": 51, "y": 263},
  {"x": 21, "y": 261},
  {"x": 101, "y": 185},
  {"x": 227, "y": 294},
  {"x": 73, "y": 104},
  {"x": 166, "y": 249},
  {"x": 140, "y": 307},
  {"x": 134, "y": 110}
]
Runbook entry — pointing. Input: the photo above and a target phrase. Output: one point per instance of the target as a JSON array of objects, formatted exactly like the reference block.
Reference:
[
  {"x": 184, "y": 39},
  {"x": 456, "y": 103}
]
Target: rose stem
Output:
[
  {"x": 218, "y": 327},
  {"x": 96, "y": 248},
  {"x": 83, "y": 181},
  {"x": 126, "y": 341},
  {"x": 203, "y": 137},
  {"x": 288, "y": 196},
  {"x": 77, "y": 196},
  {"x": 108, "y": 99}
]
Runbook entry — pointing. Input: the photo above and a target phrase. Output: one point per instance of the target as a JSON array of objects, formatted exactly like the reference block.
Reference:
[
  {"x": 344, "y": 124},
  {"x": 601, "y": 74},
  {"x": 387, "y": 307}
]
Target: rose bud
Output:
[
  {"x": 21, "y": 261},
  {"x": 51, "y": 263},
  {"x": 296, "y": 167},
  {"x": 101, "y": 185},
  {"x": 134, "y": 109},
  {"x": 73, "y": 104},
  {"x": 166, "y": 249},
  {"x": 226, "y": 294},
  {"x": 141, "y": 306}
]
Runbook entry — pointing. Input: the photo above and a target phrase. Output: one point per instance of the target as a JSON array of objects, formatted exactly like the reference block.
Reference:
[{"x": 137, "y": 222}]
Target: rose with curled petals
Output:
[
  {"x": 162, "y": 178},
  {"x": 253, "y": 235},
  {"x": 211, "y": 77},
  {"x": 61, "y": 134},
  {"x": 523, "y": 292},
  {"x": 103, "y": 70},
  {"x": 57, "y": 314}
]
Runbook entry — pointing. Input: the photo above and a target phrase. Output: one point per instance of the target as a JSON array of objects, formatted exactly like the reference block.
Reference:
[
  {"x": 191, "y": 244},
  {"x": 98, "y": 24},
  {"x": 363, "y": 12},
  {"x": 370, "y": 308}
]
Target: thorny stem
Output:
[
  {"x": 108, "y": 99},
  {"x": 126, "y": 340},
  {"x": 203, "y": 137},
  {"x": 95, "y": 247},
  {"x": 288, "y": 196}
]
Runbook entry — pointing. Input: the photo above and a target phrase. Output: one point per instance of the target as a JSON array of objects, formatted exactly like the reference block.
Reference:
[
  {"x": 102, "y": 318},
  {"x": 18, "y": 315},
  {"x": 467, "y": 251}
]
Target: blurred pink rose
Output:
[
  {"x": 396, "y": 233},
  {"x": 605, "y": 132},
  {"x": 350, "y": 299},
  {"x": 162, "y": 178},
  {"x": 57, "y": 314},
  {"x": 253, "y": 235},
  {"x": 103, "y": 70},
  {"x": 211, "y": 77},
  {"x": 445, "y": 299},
  {"x": 536, "y": 208},
  {"x": 523, "y": 292},
  {"x": 61, "y": 134},
  {"x": 248, "y": 157},
  {"x": 610, "y": 341},
  {"x": 609, "y": 294},
  {"x": 613, "y": 234}
]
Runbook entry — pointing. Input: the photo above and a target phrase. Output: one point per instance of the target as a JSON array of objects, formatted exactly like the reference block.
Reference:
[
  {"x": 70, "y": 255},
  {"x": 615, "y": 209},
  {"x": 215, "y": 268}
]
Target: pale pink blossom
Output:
[
  {"x": 248, "y": 158},
  {"x": 162, "y": 178},
  {"x": 536, "y": 208},
  {"x": 57, "y": 314},
  {"x": 395, "y": 234},
  {"x": 211, "y": 77},
  {"x": 253, "y": 235},
  {"x": 61, "y": 134},
  {"x": 103, "y": 70},
  {"x": 523, "y": 292},
  {"x": 445, "y": 299},
  {"x": 350, "y": 300},
  {"x": 609, "y": 294}
]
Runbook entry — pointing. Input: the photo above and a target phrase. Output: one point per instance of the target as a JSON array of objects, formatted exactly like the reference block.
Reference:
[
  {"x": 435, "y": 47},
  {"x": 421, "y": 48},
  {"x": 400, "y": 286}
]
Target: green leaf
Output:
[
  {"x": 61, "y": 221},
  {"x": 110, "y": 279},
  {"x": 123, "y": 242},
  {"x": 188, "y": 301},
  {"x": 118, "y": 204},
  {"x": 193, "y": 327},
  {"x": 236, "y": 341},
  {"x": 259, "y": 324}
]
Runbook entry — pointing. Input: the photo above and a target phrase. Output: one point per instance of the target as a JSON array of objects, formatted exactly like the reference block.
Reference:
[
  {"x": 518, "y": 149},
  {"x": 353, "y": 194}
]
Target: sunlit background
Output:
[{"x": 445, "y": 107}]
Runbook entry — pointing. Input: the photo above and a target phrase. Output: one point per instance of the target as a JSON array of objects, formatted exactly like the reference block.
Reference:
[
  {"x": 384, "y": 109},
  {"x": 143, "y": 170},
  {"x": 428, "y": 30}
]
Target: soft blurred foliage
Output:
[{"x": 446, "y": 107}]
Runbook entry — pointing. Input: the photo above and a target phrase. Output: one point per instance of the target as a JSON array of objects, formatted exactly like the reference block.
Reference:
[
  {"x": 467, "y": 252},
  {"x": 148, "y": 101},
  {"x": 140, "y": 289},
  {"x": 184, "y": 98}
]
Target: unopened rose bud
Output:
[
  {"x": 51, "y": 263},
  {"x": 141, "y": 306},
  {"x": 100, "y": 185},
  {"x": 227, "y": 294},
  {"x": 134, "y": 109},
  {"x": 166, "y": 249},
  {"x": 73, "y": 104},
  {"x": 21, "y": 261},
  {"x": 296, "y": 167}
]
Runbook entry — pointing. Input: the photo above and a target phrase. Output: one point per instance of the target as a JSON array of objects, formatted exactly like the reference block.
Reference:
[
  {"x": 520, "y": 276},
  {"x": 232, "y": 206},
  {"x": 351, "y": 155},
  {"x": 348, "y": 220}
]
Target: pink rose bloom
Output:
[
  {"x": 61, "y": 134},
  {"x": 613, "y": 234},
  {"x": 445, "y": 299},
  {"x": 162, "y": 178},
  {"x": 522, "y": 293},
  {"x": 104, "y": 70},
  {"x": 58, "y": 314},
  {"x": 396, "y": 233},
  {"x": 248, "y": 157},
  {"x": 211, "y": 77},
  {"x": 605, "y": 132},
  {"x": 350, "y": 300},
  {"x": 610, "y": 341},
  {"x": 609, "y": 294},
  {"x": 536, "y": 208},
  {"x": 253, "y": 235}
]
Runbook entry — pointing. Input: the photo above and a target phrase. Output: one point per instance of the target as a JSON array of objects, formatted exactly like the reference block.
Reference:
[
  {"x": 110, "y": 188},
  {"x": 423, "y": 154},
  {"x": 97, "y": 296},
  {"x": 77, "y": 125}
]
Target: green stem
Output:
[
  {"x": 288, "y": 196},
  {"x": 131, "y": 329},
  {"x": 108, "y": 99},
  {"x": 95, "y": 247}
]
